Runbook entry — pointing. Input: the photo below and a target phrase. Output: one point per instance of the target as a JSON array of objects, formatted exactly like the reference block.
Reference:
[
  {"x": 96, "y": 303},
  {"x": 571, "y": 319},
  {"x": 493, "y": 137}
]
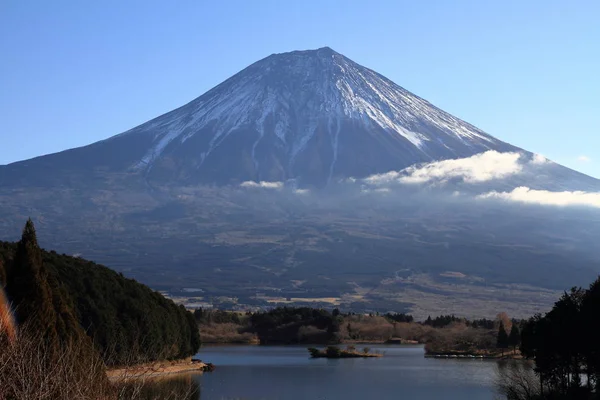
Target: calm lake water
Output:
[{"x": 286, "y": 372}]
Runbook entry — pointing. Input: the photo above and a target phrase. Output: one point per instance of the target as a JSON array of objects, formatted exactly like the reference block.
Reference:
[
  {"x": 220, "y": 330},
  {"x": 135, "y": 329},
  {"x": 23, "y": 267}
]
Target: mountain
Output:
[
  {"x": 305, "y": 176},
  {"x": 311, "y": 116},
  {"x": 307, "y": 115}
]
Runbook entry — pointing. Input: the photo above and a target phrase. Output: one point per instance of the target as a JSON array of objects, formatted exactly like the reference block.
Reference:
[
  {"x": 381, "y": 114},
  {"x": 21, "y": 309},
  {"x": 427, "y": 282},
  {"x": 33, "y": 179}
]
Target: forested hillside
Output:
[{"x": 62, "y": 297}]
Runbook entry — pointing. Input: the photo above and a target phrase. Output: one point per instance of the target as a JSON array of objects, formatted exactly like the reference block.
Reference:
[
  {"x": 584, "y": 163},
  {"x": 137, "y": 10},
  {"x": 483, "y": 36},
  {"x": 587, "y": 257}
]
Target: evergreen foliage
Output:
[
  {"x": 282, "y": 325},
  {"x": 314, "y": 352},
  {"x": 333, "y": 352},
  {"x": 64, "y": 298},
  {"x": 514, "y": 337},
  {"x": 399, "y": 317},
  {"x": 482, "y": 323},
  {"x": 502, "y": 338},
  {"x": 442, "y": 321},
  {"x": 28, "y": 288},
  {"x": 42, "y": 306},
  {"x": 565, "y": 346}
]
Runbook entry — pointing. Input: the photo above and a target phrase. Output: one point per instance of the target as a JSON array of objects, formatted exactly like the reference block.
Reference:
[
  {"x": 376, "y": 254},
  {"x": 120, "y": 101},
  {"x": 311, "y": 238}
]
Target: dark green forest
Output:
[
  {"x": 565, "y": 347},
  {"x": 62, "y": 298},
  {"x": 281, "y": 325}
]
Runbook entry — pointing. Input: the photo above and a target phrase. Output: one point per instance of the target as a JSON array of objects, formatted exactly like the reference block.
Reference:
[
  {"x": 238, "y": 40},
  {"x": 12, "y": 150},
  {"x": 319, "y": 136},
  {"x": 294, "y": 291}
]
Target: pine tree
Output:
[
  {"x": 29, "y": 292},
  {"x": 514, "y": 338},
  {"x": 502, "y": 339}
]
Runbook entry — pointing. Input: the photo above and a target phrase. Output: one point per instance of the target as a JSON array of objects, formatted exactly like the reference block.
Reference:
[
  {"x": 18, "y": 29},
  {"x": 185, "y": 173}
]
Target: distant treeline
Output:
[
  {"x": 223, "y": 317},
  {"x": 445, "y": 320},
  {"x": 64, "y": 298},
  {"x": 310, "y": 325}
]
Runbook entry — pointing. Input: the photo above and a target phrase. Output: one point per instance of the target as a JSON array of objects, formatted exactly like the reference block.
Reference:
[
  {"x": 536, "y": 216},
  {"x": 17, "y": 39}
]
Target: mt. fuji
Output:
[
  {"x": 313, "y": 116},
  {"x": 306, "y": 115},
  {"x": 308, "y": 175}
]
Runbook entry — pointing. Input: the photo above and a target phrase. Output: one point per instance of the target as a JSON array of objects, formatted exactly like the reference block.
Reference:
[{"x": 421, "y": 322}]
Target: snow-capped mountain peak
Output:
[
  {"x": 292, "y": 102},
  {"x": 312, "y": 116}
]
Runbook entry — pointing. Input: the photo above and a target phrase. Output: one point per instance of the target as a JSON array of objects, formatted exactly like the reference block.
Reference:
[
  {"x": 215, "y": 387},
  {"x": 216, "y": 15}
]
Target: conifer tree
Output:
[
  {"x": 56, "y": 296},
  {"x": 29, "y": 291},
  {"x": 502, "y": 339},
  {"x": 514, "y": 338}
]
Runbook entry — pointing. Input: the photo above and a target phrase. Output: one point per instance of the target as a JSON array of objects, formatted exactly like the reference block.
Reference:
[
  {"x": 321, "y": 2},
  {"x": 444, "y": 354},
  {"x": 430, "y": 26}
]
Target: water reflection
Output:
[
  {"x": 169, "y": 387},
  {"x": 287, "y": 372}
]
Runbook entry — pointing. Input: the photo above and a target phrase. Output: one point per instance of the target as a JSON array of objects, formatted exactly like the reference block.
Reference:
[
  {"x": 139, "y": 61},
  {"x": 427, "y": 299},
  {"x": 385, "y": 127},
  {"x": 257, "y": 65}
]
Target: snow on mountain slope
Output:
[
  {"x": 309, "y": 115},
  {"x": 312, "y": 116}
]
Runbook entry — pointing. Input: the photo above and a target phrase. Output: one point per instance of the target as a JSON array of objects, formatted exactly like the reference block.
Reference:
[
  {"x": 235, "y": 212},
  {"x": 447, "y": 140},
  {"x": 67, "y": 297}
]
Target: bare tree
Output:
[
  {"x": 517, "y": 380},
  {"x": 29, "y": 372}
]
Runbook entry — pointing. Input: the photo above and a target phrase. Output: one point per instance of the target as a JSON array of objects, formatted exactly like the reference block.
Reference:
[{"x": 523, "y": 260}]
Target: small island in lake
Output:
[{"x": 336, "y": 352}]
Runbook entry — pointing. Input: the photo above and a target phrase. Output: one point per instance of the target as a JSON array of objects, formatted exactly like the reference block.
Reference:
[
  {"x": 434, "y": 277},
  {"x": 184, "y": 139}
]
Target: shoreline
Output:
[
  {"x": 472, "y": 356},
  {"x": 345, "y": 342},
  {"x": 158, "y": 369}
]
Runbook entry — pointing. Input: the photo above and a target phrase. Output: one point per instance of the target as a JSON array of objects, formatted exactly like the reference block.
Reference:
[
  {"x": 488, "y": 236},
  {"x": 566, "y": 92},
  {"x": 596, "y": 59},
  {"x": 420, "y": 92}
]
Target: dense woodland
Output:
[
  {"x": 65, "y": 299},
  {"x": 565, "y": 347}
]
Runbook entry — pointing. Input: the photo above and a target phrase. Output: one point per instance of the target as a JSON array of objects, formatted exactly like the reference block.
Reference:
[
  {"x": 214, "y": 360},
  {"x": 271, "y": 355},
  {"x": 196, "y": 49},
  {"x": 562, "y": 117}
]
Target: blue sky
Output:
[{"x": 74, "y": 72}]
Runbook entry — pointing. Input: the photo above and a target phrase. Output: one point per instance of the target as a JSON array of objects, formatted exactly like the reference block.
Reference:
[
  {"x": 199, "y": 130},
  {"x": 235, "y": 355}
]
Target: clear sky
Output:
[{"x": 75, "y": 72}]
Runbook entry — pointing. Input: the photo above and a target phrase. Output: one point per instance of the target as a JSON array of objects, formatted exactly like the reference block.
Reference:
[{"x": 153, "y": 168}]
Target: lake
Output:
[{"x": 287, "y": 372}]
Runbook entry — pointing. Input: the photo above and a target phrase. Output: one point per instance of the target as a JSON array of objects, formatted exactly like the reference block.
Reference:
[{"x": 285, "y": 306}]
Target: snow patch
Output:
[
  {"x": 334, "y": 145},
  {"x": 291, "y": 95}
]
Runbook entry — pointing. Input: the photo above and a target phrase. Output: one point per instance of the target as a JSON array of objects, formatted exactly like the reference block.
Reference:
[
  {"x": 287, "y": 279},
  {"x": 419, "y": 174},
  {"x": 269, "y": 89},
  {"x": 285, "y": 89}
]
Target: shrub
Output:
[
  {"x": 314, "y": 352},
  {"x": 333, "y": 351}
]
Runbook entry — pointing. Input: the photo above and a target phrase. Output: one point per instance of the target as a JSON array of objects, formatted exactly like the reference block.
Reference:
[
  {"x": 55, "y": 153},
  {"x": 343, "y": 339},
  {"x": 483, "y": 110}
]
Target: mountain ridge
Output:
[{"x": 310, "y": 115}]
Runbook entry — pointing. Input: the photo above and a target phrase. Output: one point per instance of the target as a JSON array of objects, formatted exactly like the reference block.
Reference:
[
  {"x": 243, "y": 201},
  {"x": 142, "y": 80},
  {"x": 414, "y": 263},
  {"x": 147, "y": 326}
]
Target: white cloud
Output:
[
  {"x": 302, "y": 191},
  {"x": 544, "y": 197},
  {"x": 539, "y": 159},
  {"x": 584, "y": 159},
  {"x": 262, "y": 184},
  {"x": 381, "y": 179},
  {"x": 478, "y": 168}
]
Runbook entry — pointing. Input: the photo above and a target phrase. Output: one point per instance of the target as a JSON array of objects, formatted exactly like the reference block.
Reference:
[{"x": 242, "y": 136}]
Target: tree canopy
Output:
[
  {"x": 564, "y": 344},
  {"x": 502, "y": 339},
  {"x": 283, "y": 324},
  {"x": 63, "y": 297},
  {"x": 514, "y": 337}
]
